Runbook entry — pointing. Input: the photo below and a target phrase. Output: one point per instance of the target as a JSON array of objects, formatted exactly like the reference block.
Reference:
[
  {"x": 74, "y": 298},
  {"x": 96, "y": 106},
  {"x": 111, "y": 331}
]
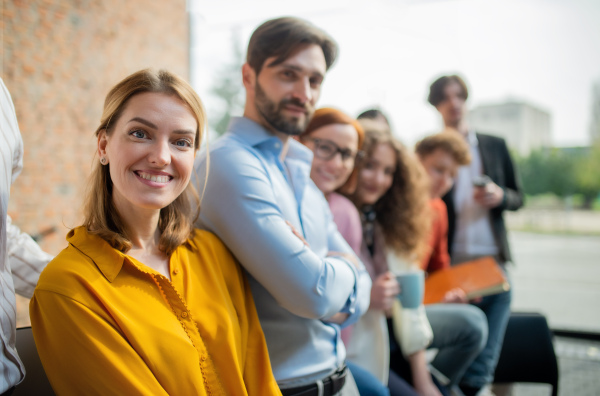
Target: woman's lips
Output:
[{"x": 152, "y": 179}]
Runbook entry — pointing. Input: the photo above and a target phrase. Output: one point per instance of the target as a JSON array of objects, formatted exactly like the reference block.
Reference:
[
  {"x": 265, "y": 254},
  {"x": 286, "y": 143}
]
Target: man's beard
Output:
[{"x": 272, "y": 113}]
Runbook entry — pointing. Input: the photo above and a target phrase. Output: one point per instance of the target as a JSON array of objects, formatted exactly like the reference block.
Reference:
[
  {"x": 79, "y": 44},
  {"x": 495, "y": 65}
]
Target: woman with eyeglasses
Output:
[
  {"x": 329, "y": 133},
  {"x": 335, "y": 139}
]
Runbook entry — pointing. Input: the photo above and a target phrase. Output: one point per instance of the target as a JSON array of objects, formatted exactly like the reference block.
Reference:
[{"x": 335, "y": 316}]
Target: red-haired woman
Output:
[{"x": 335, "y": 139}]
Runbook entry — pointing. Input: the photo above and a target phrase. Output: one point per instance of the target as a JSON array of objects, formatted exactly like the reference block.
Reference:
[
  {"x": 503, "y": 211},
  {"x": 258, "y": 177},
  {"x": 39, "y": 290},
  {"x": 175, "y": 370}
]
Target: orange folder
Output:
[{"x": 478, "y": 278}]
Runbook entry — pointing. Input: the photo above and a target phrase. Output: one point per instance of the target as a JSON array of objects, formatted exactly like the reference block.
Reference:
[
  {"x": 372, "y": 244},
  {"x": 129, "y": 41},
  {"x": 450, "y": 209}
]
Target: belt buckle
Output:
[
  {"x": 338, "y": 380},
  {"x": 331, "y": 385}
]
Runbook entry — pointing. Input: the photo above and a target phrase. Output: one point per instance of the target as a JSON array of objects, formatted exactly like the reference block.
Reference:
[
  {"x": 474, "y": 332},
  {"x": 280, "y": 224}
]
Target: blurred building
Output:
[
  {"x": 59, "y": 58},
  {"x": 524, "y": 126}
]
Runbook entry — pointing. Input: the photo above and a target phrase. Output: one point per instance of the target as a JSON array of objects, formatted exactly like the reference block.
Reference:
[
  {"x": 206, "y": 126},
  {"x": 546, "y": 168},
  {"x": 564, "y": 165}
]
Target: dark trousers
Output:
[{"x": 8, "y": 392}]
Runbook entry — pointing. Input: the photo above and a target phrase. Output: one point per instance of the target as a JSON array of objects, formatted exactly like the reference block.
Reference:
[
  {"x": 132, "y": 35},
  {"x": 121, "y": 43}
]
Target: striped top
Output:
[{"x": 21, "y": 259}]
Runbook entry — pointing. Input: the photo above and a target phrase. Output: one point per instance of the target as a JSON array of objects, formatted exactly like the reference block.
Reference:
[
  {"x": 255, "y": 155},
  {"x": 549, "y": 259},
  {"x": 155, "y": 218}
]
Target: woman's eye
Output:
[
  {"x": 326, "y": 149},
  {"x": 183, "y": 143},
  {"x": 138, "y": 134}
]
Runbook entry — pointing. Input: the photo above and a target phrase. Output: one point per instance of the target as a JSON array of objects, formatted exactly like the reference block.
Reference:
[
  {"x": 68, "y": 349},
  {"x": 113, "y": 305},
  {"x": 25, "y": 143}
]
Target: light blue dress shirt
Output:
[{"x": 250, "y": 193}]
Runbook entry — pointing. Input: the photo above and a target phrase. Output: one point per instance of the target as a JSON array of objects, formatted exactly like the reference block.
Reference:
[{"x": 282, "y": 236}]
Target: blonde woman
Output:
[{"x": 140, "y": 302}]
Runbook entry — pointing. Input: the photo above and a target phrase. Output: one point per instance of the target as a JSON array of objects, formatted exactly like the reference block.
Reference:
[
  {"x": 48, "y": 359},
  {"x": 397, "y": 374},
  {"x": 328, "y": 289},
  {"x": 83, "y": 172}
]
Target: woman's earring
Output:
[{"x": 103, "y": 161}]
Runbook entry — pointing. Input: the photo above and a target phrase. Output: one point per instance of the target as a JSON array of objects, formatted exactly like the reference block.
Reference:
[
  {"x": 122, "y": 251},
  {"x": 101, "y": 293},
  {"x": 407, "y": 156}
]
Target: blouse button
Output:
[
  {"x": 175, "y": 271},
  {"x": 184, "y": 314}
]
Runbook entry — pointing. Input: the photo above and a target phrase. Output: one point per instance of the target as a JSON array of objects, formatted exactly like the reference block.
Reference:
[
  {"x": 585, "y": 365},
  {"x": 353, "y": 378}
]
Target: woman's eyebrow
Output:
[
  {"x": 145, "y": 122},
  {"x": 153, "y": 126},
  {"x": 184, "y": 132}
]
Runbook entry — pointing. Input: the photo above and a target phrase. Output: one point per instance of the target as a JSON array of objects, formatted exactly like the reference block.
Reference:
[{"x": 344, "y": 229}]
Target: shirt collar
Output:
[
  {"x": 250, "y": 132},
  {"x": 298, "y": 151},
  {"x": 257, "y": 136},
  {"x": 472, "y": 138},
  {"x": 108, "y": 259}
]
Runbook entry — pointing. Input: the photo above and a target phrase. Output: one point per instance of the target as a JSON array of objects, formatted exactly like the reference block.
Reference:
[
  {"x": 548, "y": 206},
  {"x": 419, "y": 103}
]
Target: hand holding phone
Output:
[
  {"x": 487, "y": 193},
  {"x": 481, "y": 181}
]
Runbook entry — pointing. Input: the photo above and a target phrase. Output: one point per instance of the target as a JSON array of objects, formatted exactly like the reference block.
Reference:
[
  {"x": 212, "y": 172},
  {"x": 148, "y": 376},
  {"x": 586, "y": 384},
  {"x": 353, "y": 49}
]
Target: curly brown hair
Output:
[{"x": 403, "y": 211}]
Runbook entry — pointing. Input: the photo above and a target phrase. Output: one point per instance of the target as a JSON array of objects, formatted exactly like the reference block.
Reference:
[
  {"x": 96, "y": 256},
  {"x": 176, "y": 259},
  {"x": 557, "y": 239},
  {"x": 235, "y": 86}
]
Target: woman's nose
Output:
[{"x": 160, "y": 154}]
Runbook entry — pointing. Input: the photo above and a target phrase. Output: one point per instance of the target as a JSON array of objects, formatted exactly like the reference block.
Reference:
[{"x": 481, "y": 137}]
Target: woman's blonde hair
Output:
[
  {"x": 403, "y": 211},
  {"x": 101, "y": 217}
]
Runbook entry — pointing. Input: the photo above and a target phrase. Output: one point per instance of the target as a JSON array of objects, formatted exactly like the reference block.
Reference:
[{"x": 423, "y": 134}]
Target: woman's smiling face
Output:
[
  {"x": 334, "y": 147},
  {"x": 150, "y": 151},
  {"x": 377, "y": 174}
]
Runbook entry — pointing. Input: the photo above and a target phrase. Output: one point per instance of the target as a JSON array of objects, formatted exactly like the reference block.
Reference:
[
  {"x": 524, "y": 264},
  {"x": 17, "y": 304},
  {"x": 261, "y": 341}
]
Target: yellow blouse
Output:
[{"x": 106, "y": 324}]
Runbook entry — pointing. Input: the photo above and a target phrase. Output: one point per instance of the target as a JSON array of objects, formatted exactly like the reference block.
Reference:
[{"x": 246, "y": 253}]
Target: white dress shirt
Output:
[
  {"x": 21, "y": 259},
  {"x": 474, "y": 236}
]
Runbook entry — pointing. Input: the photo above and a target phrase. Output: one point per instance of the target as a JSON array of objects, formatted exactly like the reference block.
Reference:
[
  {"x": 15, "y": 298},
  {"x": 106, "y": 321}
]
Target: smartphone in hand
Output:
[{"x": 481, "y": 181}]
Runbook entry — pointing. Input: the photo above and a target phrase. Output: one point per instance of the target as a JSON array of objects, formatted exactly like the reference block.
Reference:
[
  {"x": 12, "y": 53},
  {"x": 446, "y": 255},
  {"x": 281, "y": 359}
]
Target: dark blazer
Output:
[{"x": 498, "y": 165}]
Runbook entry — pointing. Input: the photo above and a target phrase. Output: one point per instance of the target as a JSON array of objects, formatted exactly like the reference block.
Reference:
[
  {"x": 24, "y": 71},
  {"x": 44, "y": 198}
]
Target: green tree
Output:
[
  {"x": 595, "y": 115},
  {"x": 228, "y": 87},
  {"x": 548, "y": 171},
  {"x": 587, "y": 176}
]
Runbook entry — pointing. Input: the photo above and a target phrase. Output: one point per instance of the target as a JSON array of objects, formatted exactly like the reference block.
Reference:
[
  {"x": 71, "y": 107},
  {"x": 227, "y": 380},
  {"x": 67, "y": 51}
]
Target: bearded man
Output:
[{"x": 259, "y": 199}]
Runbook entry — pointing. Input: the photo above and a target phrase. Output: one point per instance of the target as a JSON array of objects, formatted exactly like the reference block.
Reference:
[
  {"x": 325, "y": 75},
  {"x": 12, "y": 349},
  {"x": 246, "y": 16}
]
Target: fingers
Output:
[
  {"x": 394, "y": 288},
  {"x": 387, "y": 302},
  {"x": 384, "y": 291},
  {"x": 389, "y": 285},
  {"x": 388, "y": 275},
  {"x": 455, "y": 296},
  {"x": 489, "y": 196},
  {"x": 393, "y": 284}
]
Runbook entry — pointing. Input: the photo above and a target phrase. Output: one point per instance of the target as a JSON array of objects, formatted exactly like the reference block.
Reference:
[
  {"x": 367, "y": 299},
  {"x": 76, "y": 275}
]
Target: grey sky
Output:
[{"x": 543, "y": 52}]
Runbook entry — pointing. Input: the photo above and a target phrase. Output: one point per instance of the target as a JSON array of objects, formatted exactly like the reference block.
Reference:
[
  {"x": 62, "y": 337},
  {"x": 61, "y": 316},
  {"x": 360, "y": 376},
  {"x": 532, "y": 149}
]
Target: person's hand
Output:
[
  {"x": 422, "y": 381},
  {"x": 489, "y": 196},
  {"x": 426, "y": 387},
  {"x": 455, "y": 296},
  {"x": 298, "y": 234},
  {"x": 383, "y": 292},
  {"x": 338, "y": 318}
]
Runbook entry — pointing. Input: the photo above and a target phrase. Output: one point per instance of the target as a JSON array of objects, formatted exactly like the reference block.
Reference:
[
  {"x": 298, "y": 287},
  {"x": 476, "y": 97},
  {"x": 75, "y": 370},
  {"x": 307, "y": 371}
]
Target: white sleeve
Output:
[
  {"x": 411, "y": 328},
  {"x": 26, "y": 259}
]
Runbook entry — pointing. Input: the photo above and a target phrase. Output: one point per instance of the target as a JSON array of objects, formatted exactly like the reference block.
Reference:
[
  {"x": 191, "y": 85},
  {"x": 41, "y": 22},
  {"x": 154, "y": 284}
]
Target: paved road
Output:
[{"x": 558, "y": 275}]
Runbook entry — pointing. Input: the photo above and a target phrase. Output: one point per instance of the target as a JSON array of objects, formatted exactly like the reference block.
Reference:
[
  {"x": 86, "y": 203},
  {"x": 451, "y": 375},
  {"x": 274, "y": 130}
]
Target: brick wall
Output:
[{"x": 59, "y": 59}]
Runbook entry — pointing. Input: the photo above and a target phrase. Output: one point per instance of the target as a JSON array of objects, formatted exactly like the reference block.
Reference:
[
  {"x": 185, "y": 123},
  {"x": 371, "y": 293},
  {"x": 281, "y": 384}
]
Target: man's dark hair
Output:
[
  {"x": 436, "y": 90},
  {"x": 282, "y": 37},
  {"x": 373, "y": 114}
]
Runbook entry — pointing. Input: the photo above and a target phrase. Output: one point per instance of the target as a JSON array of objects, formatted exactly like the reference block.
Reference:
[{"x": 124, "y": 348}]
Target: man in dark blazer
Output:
[{"x": 481, "y": 193}]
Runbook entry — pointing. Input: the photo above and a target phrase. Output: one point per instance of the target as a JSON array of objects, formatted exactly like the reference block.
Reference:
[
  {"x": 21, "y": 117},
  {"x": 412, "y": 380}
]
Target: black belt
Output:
[
  {"x": 331, "y": 386},
  {"x": 8, "y": 392}
]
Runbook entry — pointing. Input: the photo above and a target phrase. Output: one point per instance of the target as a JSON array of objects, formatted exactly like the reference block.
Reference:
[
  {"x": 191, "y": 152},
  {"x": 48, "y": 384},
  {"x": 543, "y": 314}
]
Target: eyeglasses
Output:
[{"x": 326, "y": 150}]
